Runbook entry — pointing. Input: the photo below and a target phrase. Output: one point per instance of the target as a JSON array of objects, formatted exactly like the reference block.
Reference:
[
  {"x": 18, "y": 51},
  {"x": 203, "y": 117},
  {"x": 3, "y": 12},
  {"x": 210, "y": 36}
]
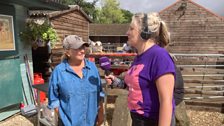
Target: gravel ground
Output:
[
  {"x": 19, "y": 120},
  {"x": 197, "y": 118},
  {"x": 203, "y": 118}
]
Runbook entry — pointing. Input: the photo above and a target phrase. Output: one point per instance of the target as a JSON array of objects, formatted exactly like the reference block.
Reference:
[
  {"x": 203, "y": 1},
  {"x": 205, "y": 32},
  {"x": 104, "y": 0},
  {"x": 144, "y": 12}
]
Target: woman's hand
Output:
[{"x": 109, "y": 79}]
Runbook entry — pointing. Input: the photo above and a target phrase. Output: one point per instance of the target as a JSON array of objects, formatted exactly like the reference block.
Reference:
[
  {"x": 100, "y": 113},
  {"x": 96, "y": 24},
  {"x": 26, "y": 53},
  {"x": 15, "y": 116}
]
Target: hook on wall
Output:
[{"x": 181, "y": 9}]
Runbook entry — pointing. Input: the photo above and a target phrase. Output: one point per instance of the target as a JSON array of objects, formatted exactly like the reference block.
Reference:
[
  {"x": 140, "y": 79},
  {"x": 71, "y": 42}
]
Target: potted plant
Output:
[{"x": 39, "y": 34}]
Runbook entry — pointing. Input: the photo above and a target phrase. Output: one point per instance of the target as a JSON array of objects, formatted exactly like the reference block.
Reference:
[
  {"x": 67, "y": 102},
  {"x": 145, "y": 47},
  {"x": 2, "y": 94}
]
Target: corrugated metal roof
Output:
[
  {"x": 51, "y": 14},
  {"x": 39, "y": 13}
]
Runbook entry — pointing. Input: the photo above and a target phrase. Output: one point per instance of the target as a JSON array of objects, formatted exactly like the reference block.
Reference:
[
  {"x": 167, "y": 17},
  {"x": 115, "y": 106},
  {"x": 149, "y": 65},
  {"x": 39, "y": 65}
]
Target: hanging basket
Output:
[{"x": 38, "y": 35}]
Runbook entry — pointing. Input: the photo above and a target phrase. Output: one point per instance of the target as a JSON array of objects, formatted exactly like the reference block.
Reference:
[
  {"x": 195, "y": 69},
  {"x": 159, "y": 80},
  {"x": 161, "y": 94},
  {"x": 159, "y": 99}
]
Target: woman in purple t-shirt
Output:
[{"x": 150, "y": 79}]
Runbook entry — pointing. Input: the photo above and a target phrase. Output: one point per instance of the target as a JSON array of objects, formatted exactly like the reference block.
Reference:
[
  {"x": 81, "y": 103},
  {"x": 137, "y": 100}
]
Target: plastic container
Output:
[{"x": 38, "y": 79}]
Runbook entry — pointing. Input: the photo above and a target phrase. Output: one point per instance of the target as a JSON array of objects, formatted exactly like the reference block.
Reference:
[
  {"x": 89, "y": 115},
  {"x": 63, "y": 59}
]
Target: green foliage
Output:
[
  {"x": 49, "y": 35},
  {"x": 88, "y": 7},
  {"x": 111, "y": 12},
  {"x": 35, "y": 33},
  {"x": 127, "y": 15}
]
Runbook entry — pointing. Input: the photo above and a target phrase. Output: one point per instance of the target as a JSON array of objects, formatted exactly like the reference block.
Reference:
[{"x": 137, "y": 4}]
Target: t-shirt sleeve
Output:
[{"x": 162, "y": 64}]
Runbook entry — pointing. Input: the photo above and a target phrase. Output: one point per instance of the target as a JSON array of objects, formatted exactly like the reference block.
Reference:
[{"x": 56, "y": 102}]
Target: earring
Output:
[{"x": 67, "y": 55}]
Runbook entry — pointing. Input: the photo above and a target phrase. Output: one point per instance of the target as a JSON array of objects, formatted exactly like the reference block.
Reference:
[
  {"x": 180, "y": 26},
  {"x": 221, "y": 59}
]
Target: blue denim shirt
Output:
[{"x": 76, "y": 98}]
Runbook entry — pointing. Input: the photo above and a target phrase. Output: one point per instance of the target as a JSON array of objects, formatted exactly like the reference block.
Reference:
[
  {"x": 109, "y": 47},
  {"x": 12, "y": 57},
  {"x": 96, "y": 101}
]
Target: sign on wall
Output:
[{"x": 7, "y": 39}]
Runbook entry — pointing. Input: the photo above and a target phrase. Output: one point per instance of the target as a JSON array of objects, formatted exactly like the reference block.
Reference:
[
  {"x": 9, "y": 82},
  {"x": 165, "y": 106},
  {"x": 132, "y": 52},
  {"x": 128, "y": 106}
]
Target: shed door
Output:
[{"x": 10, "y": 82}]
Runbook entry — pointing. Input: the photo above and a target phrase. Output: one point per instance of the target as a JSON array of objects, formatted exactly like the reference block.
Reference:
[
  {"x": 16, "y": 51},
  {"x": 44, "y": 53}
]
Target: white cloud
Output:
[
  {"x": 145, "y": 5},
  {"x": 216, "y": 6}
]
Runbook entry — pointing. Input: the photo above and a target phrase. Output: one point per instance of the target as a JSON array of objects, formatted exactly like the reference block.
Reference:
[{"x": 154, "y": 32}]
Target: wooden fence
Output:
[{"x": 203, "y": 76}]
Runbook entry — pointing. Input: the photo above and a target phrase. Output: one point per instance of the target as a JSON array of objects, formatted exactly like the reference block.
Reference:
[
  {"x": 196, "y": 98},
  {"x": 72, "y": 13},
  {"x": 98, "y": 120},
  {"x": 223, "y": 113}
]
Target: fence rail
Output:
[{"x": 197, "y": 82}]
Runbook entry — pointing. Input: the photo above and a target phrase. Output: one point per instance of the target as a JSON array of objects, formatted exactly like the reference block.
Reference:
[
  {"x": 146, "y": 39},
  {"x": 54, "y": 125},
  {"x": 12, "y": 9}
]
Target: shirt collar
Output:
[
  {"x": 87, "y": 64},
  {"x": 67, "y": 66}
]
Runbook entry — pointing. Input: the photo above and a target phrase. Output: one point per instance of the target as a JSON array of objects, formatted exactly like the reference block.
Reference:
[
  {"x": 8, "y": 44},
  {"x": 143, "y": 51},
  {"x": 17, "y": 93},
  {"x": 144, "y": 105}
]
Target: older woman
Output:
[
  {"x": 150, "y": 79},
  {"x": 75, "y": 86}
]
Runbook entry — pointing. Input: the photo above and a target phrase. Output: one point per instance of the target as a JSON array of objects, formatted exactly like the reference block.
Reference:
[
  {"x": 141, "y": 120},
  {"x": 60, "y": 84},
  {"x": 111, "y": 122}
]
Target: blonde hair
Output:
[
  {"x": 157, "y": 27},
  {"x": 65, "y": 56}
]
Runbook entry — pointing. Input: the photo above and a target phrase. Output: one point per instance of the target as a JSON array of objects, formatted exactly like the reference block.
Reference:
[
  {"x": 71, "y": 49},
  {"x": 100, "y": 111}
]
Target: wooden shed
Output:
[
  {"x": 73, "y": 21},
  {"x": 113, "y": 33},
  {"x": 194, "y": 29}
]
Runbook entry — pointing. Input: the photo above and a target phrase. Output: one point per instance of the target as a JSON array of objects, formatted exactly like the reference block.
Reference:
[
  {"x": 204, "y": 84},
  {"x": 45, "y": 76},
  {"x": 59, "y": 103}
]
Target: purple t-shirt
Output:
[{"x": 143, "y": 95}]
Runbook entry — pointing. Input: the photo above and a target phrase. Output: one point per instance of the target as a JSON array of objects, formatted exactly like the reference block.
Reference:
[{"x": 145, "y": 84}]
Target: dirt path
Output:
[{"x": 197, "y": 118}]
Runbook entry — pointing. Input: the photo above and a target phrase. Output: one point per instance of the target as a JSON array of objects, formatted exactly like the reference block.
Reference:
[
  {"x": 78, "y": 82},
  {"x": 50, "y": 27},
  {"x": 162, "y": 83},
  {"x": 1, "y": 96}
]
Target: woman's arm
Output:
[
  {"x": 165, "y": 87},
  {"x": 115, "y": 82},
  {"x": 100, "y": 114},
  {"x": 53, "y": 94}
]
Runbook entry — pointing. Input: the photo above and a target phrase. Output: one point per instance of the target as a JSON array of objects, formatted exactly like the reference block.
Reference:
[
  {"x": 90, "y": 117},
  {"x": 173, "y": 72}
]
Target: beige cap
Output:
[{"x": 73, "y": 42}]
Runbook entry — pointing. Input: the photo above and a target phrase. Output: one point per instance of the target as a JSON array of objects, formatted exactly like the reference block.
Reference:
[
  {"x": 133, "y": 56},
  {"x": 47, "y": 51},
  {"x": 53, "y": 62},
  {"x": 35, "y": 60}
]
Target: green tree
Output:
[
  {"x": 127, "y": 15},
  {"x": 110, "y": 12},
  {"x": 88, "y": 7}
]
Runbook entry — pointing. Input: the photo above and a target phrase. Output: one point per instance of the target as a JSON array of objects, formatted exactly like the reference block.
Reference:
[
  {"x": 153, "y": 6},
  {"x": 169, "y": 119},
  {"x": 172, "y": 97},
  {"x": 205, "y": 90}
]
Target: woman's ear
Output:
[{"x": 67, "y": 53}]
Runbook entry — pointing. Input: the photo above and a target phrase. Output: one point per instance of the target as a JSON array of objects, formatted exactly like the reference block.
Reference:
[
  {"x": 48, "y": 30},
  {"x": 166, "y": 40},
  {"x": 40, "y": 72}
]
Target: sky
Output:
[{"x": 216, "y": 6}]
